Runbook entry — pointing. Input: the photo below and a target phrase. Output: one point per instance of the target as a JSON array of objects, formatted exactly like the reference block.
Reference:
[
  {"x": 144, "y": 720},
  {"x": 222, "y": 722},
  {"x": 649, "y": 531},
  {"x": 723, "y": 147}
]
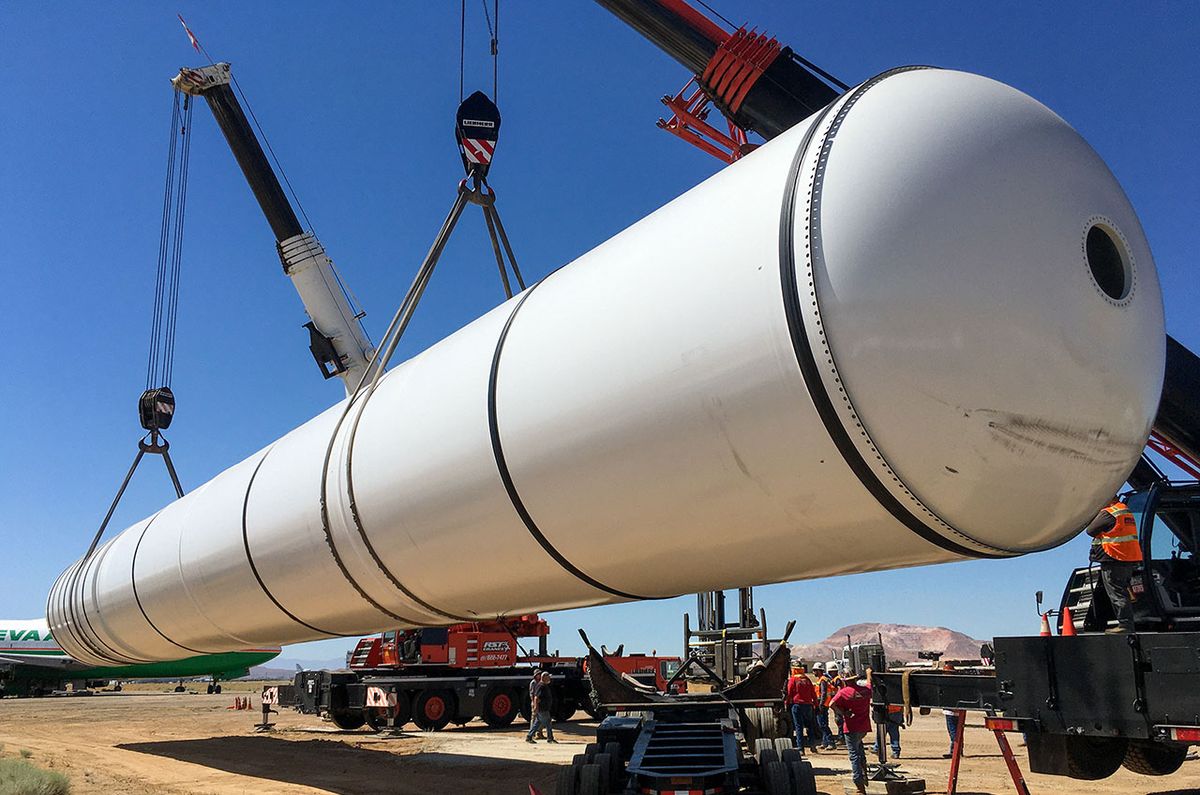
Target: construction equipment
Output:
[
  {"x": 337, "y": 340},
  {"x": 733, "y": 740},
  {"x": 437, "y": 676},
  {"x": 723, "y": 650},
  {"x": 1089, "y": 703}
]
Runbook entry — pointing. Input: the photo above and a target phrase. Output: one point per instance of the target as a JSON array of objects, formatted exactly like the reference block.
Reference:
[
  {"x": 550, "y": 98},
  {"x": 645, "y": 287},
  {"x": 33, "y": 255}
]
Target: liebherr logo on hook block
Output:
[{"x": 477, "y": 128}]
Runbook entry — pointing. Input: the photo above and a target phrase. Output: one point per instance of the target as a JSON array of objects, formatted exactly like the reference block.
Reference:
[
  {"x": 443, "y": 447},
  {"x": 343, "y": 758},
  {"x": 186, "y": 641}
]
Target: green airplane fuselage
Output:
[{"x": 29, "y": 653}]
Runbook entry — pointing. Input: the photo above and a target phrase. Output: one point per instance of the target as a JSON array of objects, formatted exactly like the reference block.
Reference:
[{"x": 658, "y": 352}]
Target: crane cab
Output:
[{"x": 1166, "y": 586}]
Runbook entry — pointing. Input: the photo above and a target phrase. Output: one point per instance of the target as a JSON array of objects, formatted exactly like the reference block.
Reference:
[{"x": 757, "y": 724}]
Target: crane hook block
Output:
[
  {"x": 156, "y": 408},
  {"x": 477, "y": 127}
]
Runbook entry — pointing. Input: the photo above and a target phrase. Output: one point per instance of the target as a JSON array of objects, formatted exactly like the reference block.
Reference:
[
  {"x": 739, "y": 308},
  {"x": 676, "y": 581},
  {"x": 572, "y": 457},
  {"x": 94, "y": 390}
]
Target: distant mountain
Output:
[{"x": 901, "y": 642}]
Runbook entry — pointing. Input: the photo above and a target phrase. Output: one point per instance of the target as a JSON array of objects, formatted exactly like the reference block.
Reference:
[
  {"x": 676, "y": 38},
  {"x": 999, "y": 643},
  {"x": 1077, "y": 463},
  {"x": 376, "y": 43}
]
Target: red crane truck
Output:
[{"x": 433, "y": 677}]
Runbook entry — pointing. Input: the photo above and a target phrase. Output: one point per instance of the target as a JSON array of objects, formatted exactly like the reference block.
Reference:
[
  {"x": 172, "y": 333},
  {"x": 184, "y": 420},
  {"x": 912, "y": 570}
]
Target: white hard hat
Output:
[{"x": 831, "y": 667}]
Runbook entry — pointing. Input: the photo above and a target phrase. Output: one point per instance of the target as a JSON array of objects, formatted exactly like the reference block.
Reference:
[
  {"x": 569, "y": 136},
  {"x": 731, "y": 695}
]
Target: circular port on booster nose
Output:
[{"x": 1109, "y": 267}]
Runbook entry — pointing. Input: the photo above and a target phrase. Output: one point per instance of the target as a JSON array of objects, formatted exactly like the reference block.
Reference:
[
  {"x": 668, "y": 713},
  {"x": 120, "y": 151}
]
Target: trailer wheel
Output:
[
  {"x": 789, "y": 755},
  {"x": 348, "y": 720},
  {"x": 761, "y": 744},
  {"x": 767, "y": 755},
  {"x": 526, "y": 706},
  {"x": 762, "y": 723},
  {"x": 804, "y": 780},
  {"x": 500, "y": 709},
  {"x": 568, "y": 781},
  {"x": 775, "y": 778},
  {"x": 1093, "y": 758},
  {"x": 593, "y": 779},
  {"x": 1152, "y": 758},
  {"x": 433, "y": 710}
]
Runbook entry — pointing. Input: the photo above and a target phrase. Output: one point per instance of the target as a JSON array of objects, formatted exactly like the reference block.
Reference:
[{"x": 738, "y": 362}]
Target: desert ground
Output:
[{"x": 148, "y": 742}]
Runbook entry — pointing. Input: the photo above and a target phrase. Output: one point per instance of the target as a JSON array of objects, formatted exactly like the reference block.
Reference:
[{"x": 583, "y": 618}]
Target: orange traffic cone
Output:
[
  {"x": 1068, "y": 623},
  {"x": 1045, "y": 625}
]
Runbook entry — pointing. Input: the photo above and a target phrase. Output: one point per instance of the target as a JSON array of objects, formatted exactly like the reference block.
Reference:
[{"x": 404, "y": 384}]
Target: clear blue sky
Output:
[{"x": 358, "y": 100}]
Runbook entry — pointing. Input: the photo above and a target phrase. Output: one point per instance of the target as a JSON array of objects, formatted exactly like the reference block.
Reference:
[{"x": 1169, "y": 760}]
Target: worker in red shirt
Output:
[
  {"x": 801, "y": 699},
  {"x": 852, "y": 706}
]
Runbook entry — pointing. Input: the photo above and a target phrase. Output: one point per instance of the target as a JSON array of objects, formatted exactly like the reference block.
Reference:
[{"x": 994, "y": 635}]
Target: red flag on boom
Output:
[{"x": 191, "y": 36}]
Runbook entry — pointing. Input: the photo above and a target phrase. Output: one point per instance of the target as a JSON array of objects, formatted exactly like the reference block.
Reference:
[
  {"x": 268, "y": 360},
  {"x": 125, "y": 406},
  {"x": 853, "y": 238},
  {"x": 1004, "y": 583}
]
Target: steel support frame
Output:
[
  {"x": 1010, "y": 760},
  {"x": 690, "y": 108},
  {"x": 1159, "y": 444}
]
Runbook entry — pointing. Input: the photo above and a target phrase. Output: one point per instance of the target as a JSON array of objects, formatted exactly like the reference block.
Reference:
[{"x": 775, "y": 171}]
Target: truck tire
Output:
[
  {"x": 403, "y": 709},
  {"x": 775, "y": 778},
  {"x": 526, "y": 706},
  {"x": 767, "y": 755},
  {"x": 1152, "y": 758},
  {"x": 433, "y": 709},
  {"x": 593, "y": 780},
  {"x": 568, "y": 781},
  {"x": 804, "y": 780},
  {"x": 348, "y": 720},
  {"x": 590, "y": 750},
  {"x": 784, "y": 744},
  {"x": 789, "y": 755},
  {"x": 1094, "y": 758},
  {"x": 500, "y": 709},
  {"x": 563, "y": 710}
]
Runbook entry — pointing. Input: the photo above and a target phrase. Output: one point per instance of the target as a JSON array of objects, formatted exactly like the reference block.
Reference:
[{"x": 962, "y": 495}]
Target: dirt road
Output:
[{"x": 147, "y": 744}]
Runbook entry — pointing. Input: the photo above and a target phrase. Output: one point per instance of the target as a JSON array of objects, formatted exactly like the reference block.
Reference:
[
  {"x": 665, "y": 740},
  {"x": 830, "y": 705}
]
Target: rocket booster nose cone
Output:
[{"x": 981, "y": 304}]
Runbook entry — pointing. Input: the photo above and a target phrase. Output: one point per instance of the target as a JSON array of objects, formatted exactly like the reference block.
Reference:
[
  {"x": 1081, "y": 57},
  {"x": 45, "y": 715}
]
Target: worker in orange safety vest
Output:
[
  {"x": 1116, "y": 548},
  {"x": 825, "y": 692}
]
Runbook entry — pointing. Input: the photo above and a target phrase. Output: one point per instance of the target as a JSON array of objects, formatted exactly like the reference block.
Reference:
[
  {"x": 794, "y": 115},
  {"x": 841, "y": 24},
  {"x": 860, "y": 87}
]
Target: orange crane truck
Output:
[{"x": 433, "y": 677}]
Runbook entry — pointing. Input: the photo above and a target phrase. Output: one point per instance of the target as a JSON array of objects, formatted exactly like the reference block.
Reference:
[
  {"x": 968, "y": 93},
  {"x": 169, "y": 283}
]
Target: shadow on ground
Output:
[{"x": 340, "y": 768}]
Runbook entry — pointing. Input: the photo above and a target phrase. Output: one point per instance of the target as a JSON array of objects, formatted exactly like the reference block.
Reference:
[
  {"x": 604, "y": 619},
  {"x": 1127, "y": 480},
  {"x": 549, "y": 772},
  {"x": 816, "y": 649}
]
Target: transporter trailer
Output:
[
  {"x": 734, "y": 740},
  {"x": 1092, "y": 702}
]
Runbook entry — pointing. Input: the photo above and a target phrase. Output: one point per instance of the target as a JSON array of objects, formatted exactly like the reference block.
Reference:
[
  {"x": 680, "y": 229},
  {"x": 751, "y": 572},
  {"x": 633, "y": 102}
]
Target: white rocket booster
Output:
[{"x": 922, "y": 326}]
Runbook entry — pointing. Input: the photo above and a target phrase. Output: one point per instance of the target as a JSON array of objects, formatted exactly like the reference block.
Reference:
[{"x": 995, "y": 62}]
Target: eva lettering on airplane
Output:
[{"x": 22, "y": 634}]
